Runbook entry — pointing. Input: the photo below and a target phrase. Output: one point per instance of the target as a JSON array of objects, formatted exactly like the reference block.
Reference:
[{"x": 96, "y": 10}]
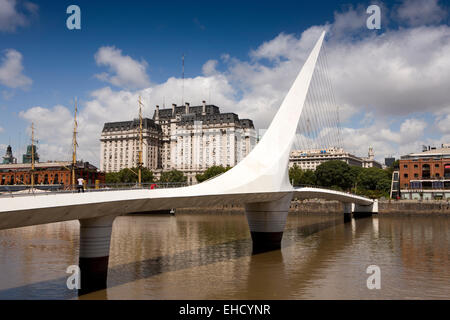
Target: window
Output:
[
  {"x": 405, "y": 166},
  {"x": 416, "y": 166},
  {"x": 436, "y": 165},
  {"x": 416, "y": 175},
  {"x": 405, "y": 175}
]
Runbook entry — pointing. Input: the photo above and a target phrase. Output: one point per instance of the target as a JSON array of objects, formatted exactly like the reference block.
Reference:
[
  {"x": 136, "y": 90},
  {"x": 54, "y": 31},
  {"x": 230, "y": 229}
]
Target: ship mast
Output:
[
  {"x": 140, "y": 164},
  {"x": 32, "y": 155},
  {"x": 74, "y": 145}
]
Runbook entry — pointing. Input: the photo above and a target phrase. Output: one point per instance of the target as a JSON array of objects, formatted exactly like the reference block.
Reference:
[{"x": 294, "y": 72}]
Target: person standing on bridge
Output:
[{"x": 80, "y": 185}]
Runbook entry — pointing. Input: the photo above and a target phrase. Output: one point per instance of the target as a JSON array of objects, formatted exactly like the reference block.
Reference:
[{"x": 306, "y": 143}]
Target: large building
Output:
[
  {"x": 119, "y": 147},
  {"x": 186, "y": 138},
  {"x": 425, "y": 175},
  {"x": 310, "y": 159},
  {"x": 195, "y": 138}
]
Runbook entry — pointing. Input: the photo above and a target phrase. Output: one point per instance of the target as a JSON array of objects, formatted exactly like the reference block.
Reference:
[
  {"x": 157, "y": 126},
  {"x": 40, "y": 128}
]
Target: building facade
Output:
[
  {"x": 119, "y": 145},
  {"x": 195, "y": 138},
  {"x": 9, "y": 158},
  {"x": 310, "y": 159},
  {"x": 369, "y": 161},
  {"x": 425, "y": 175},
  {"x": 46, "y": 173}
]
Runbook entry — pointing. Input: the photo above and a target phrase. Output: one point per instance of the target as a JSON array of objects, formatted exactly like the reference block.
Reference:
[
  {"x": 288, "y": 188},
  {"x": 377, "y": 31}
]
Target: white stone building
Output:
[
  {"x": 119, "y": 146},
  {"x": 198, "y": 137},
  {"x": 369, "y": 161},
  {"x": 310, "y": 159}
]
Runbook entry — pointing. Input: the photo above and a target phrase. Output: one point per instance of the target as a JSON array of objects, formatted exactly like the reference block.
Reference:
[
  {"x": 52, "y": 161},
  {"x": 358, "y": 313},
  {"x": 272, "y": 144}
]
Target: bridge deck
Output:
[{"x": 47, "y": 208}]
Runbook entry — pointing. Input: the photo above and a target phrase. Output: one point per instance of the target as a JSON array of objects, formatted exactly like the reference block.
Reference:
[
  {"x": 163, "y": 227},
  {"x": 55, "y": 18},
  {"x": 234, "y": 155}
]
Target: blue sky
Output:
[{"x": 232, "y": 49}]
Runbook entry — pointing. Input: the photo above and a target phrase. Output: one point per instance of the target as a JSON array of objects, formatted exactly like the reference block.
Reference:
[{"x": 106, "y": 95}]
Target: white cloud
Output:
[
  {"x": 209, "y": 68},
  {"x": 12, "y": 16},
  {"x": 11, "y": 70},
  {"x": 124, "y": 71},
  {"x": 421, "y": 12},
  {"x": 443, "y": 124},
  {"x": 408, "y": 138},
  {"x": 1, "y": 129},
  {"x": 52, "y": 129}
]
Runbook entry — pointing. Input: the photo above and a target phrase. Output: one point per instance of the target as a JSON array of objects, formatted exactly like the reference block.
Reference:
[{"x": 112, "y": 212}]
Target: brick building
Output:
[
  {"x": 425, "y": 175},
  {"x": 47, "y": 173}
]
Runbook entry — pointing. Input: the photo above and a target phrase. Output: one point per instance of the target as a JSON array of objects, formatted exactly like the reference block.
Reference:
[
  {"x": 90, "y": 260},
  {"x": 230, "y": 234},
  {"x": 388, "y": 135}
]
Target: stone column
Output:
[
  {"x": 266, "y": 221},
  {"x": 95, "y": 238},
  {"x": 347, "y": 211}
]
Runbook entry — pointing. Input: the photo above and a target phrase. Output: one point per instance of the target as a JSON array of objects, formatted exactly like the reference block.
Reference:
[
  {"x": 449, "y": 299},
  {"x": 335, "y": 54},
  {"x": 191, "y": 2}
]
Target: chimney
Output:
[
  {"x": 173, "y": 109},
  {"x": 157, "y": 113},
  {"x": 204, "y": 108},
  {"x": 187, "y": 107}
]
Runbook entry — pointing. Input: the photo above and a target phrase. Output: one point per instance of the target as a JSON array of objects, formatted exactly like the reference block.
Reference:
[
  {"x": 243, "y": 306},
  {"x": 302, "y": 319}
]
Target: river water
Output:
[{"x": 209, "y": 256}]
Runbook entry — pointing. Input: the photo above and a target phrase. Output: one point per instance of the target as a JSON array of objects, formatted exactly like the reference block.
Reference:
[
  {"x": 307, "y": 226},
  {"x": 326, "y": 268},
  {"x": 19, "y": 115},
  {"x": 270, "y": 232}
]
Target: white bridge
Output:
[{"x": 260, "y": 182}]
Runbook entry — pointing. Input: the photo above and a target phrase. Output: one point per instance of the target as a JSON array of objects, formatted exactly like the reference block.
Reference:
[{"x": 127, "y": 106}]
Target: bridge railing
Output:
[
  {"x": 327, "y": 188},
  {"x": 26, "y": 190}
]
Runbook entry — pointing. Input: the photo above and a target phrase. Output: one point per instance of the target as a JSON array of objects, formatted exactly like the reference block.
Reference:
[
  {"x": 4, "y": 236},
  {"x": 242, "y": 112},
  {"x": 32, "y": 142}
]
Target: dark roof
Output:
[
  {"x": 212, "y": 116},
  {"x": 247, "y": 123},
  {"x": 167, "y": 113},
  {"x": 131, "y": 125}
]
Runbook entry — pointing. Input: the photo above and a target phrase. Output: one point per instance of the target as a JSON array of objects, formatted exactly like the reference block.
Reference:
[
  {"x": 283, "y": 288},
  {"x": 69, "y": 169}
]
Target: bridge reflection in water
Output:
[{"x": 210, "y": 257}]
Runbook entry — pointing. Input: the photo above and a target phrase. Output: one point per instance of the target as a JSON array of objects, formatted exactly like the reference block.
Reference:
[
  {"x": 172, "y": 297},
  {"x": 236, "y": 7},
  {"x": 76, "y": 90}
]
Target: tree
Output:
[
  {"x": 334, "y": 174},
  {"x": 295, "y": 175},
  {"x": 211, "y": 172},
  {"x": 173, "y": 176},
  {"x": 375, "y": 180},
  {"x": 112, "y": 177},
  {"x": 127, "y": 175},
  {"x": 308, "y": 178}
]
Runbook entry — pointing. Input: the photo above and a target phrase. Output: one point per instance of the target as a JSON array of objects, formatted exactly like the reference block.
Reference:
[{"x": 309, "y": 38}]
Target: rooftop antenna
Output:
[
  {"x": 20, "y": 144},
  {"x": 182, "y": 84},
  {"x": 140, "y": 143},
  {"x": 74, "y": 144}
]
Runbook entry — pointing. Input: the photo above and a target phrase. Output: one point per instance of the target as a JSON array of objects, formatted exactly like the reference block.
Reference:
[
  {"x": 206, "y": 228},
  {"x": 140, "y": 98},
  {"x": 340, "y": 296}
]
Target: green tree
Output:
[
  {"x": 129, "y": 176},
  {"x": 308, "y": 177},
  {"x": 334, "y": 174},
  {"x": 374, "y": 182},
  {"x": 173, "y": 176},
  {"x": 211, "y": 172},
  {"x": 112, "y": 177},
  {"x": 295, "y": 175}
]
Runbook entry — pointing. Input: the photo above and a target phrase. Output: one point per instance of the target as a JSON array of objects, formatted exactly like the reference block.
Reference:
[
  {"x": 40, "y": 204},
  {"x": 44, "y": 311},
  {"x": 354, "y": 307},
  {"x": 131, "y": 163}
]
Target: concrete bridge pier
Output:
[
  {"x": 360, "y": 211},
  {"x": 266, "y": 221},
  {"x": 348, "y": 207},
  {"x": 95, "y": 238}
]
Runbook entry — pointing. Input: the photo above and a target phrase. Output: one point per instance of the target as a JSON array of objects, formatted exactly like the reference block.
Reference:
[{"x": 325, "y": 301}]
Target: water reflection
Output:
[{"x": 199, "y": 256}]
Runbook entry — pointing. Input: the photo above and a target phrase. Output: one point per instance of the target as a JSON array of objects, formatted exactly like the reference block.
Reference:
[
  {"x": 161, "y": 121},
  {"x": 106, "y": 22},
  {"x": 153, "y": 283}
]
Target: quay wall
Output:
[{"x": 385, "y": 207}]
